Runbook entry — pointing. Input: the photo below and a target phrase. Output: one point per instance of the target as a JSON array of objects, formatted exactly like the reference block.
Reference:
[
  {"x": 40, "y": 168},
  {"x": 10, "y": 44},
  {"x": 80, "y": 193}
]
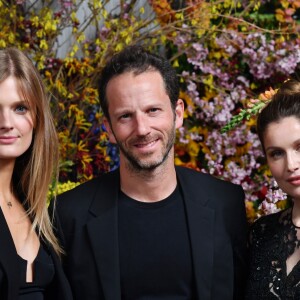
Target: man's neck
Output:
[{"x": 149, "y": 185}]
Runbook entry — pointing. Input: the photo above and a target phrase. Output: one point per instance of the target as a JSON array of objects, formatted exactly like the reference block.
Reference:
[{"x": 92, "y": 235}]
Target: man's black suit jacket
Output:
[{"x": 87, "y": 225}]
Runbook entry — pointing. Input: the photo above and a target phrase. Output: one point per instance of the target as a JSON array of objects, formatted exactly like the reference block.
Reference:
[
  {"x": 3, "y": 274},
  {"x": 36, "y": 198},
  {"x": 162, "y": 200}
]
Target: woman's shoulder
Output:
[
  {"x": 273, "y": 217},
  {"x": 271, "y": 223}
]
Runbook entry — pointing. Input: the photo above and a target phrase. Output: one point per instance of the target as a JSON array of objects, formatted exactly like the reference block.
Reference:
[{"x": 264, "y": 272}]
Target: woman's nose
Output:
[
  {"x": 293, "y": 161},
  {"x": 5, "y": 121}
]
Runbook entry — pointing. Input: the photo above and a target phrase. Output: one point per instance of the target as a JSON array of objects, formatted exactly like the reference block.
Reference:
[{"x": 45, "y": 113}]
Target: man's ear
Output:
[
  {"x": 179, "y": 113},
  {"x": 111, "y": 135}
]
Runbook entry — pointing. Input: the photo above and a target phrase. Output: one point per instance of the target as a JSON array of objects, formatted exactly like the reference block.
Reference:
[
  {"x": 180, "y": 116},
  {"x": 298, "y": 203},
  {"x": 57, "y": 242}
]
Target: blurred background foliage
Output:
[{"x": 225, "y": 53}]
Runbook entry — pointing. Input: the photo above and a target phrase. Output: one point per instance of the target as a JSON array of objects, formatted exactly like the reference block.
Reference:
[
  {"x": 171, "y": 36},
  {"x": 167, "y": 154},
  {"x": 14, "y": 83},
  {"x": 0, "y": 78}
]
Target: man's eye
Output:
[
  {"x": 125, "y": 116},
  {"x": 153, "y": 109}
]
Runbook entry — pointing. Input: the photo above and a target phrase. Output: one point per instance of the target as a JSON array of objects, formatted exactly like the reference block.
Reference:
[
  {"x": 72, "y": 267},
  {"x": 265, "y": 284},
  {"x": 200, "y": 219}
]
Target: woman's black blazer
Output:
[{"x": 10, "y": 270}]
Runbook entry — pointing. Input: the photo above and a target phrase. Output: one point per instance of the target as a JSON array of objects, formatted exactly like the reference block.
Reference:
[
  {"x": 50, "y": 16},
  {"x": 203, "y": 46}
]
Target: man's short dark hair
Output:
[{"x": 138, "y": 60}]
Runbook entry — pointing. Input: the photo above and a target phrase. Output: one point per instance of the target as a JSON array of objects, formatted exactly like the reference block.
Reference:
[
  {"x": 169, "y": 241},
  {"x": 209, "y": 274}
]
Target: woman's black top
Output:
[
  {"x": 43, "y": 274},
  {"x": 274, "y": 240}
]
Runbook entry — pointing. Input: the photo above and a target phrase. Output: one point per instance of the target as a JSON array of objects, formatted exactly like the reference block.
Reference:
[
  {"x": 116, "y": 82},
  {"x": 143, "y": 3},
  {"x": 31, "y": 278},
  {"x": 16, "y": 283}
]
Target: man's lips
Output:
[{"x": 145, "y": 144}]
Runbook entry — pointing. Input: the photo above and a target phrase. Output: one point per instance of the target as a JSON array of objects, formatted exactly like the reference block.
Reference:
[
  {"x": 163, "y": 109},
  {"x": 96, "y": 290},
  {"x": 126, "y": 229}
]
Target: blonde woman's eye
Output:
[{"x": 21, "y": 109}]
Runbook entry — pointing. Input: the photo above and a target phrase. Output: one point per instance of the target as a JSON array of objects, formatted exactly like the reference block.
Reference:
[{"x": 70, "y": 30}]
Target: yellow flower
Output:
[
  {"x": 43, "y": 45},
  {"x": 2, "y": 43},
  {"x": 250, "y": 211}
]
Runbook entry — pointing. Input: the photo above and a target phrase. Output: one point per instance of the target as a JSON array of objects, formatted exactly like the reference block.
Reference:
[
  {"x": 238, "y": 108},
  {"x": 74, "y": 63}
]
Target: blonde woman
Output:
[{"x": 29, "y": 252}]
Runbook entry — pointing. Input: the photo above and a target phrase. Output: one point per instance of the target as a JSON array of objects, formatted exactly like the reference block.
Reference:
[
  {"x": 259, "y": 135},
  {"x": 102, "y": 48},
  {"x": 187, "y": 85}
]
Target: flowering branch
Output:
[{"x": 253, "y": 108}]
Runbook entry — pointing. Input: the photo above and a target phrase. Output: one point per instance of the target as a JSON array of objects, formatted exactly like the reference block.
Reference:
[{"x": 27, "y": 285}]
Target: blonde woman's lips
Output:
[{"x": 7, "y": 140}]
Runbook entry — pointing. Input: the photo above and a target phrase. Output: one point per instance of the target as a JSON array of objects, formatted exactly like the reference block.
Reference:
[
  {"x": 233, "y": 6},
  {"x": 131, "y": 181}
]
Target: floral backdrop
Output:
[{"x": 225, "y": 53}]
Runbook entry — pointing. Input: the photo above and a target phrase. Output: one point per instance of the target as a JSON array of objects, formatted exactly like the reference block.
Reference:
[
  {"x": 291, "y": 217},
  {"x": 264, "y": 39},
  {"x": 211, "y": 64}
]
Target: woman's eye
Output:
[
  {"x": 276, "y": 154},
  {"x": 21, "y": 109}
]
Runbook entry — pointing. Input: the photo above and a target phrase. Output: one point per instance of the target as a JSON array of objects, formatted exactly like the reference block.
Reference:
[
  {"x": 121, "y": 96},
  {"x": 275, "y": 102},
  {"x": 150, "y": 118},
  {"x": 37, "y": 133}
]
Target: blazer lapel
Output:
[
  {"x": 9, "y": 259},
  {"x": 103, "y": 234},
  {"x": 201, "y": 227}
]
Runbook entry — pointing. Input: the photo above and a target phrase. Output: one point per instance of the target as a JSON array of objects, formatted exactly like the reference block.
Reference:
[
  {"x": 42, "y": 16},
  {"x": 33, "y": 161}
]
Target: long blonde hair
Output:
[{"x": 38, "y": 166}]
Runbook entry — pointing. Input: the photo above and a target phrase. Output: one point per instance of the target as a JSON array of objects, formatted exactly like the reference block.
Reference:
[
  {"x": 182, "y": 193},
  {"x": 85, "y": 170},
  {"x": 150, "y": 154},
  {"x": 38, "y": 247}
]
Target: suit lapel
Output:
[
  {"x": 9, "y": 259},
  {"x": 103, "y": 234},
  {"x": 201, "y": 227}
]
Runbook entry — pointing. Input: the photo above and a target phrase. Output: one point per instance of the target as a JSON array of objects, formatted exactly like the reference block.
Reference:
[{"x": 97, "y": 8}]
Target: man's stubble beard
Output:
[{"x": 136, "y": 164}]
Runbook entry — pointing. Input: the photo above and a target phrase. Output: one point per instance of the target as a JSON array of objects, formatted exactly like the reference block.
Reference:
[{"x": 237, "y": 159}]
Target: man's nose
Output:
[{"x": 142, "y": 124}]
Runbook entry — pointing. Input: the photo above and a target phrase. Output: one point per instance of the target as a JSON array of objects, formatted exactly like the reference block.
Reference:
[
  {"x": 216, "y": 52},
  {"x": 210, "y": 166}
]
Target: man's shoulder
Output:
[
  {"x": 204, "y": 187},
  {"x": 199, "y": 178},
  {"x": 87, "y": 190}
]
